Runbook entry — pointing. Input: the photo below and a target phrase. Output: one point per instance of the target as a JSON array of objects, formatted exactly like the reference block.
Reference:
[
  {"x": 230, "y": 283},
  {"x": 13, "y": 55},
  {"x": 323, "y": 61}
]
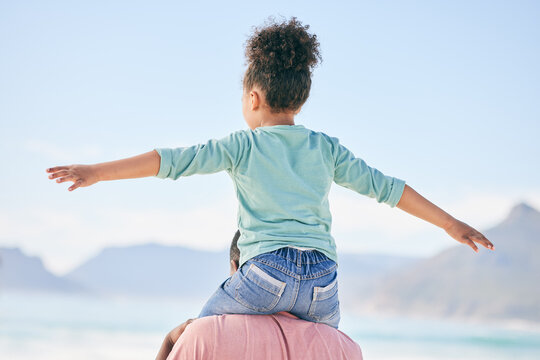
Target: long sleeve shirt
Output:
[{"x": 282, "y": 175}]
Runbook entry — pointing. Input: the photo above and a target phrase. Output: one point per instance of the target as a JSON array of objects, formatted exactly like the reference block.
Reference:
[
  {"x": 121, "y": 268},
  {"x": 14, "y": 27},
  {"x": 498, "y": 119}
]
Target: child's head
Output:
[{"x": 280, "y": 57}]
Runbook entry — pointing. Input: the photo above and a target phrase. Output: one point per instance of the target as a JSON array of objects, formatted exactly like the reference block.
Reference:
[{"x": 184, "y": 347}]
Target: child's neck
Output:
[{"x": 272, "y": 119}]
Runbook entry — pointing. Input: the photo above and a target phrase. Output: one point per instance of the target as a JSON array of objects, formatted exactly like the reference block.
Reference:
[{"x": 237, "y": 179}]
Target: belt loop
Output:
[{"x": 298, "y": 257}]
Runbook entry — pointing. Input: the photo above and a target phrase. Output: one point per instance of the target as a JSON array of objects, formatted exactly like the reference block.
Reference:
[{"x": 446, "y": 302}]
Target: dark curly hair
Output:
[
  {"x": 234, "y": 252},
  {"x": 280, "y": 57}
]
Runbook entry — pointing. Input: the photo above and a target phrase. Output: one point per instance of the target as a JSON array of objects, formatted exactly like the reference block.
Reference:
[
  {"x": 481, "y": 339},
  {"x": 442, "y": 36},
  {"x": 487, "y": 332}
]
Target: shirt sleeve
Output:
[
  {"x": 208, "y": 158},
  {"x": 353, "y": 173}
]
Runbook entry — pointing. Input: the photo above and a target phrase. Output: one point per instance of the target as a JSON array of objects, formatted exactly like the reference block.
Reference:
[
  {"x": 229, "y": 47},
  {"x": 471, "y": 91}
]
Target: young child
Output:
[{"x": 282, "y": 173}]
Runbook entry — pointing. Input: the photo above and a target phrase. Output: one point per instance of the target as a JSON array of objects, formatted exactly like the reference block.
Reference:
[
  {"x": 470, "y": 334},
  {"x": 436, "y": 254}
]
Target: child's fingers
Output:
[
  {"x": 66, "y": 178},
  {"x": 481, "y": 239},
  {"x": 77, "y": 184},
  {"x": 472, "y": 245},
  {"x": 58, "y": 174},
  {"x": 488, "y": 244},
  {"x": 56, "y": 168}
]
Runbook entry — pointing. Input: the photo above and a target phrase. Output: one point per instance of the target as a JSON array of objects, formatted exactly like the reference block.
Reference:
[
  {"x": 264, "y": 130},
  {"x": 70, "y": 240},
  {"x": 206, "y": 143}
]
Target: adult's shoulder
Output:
[{"x": 279, "y": 336}]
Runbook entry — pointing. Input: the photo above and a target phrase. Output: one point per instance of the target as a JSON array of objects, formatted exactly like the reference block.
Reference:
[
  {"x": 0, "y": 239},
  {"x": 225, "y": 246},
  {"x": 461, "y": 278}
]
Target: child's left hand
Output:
[{"x": 466, "y": 234}]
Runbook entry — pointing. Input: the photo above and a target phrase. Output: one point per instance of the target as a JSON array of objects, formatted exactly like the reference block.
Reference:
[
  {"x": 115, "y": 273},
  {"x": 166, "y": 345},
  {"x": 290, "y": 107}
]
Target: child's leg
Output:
[
  {"x": 251, "y": 290},
  {"x": 300, "y": 282},
  {"x": 318, "y": 300},
  {"x": 312, "y": 293}
]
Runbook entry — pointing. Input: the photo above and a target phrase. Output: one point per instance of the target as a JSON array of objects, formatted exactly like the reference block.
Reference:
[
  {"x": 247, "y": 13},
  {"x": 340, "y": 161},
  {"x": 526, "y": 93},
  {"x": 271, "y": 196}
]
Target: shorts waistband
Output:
[
  {"x": 298, "y": 256},
  {"x": 301, "y": 264}
]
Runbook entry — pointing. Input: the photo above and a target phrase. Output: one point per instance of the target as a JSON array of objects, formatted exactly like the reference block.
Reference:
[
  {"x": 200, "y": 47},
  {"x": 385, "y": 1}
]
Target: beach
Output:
[{"x": 50, "y": 326}]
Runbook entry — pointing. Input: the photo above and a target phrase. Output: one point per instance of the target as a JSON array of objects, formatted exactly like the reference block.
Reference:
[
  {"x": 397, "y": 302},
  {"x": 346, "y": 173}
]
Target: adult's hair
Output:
[
  {"x": 280, "y": 57},
  {"x": 234, "y": 253}
]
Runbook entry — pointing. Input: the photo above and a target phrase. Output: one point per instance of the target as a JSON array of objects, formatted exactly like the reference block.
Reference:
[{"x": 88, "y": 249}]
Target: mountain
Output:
[
  {"x": 359, "y": 274},
  {"x": 153, "y": 270},
  {"x": 459, "y": 283},
  {"x": 165, "y": 271},
  {"x": 19, "y": 272},
  {"x": 158, "y": 270}
]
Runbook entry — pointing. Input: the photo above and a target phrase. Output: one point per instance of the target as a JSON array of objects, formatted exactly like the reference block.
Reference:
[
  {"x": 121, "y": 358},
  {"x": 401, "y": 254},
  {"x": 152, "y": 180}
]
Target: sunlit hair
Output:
[{"x": 280, "y": 58}]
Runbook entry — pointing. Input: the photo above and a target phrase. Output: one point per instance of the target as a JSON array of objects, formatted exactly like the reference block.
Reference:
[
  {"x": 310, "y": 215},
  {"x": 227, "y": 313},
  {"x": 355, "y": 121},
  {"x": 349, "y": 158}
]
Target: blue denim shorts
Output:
[{"x": 302, "y": 282}]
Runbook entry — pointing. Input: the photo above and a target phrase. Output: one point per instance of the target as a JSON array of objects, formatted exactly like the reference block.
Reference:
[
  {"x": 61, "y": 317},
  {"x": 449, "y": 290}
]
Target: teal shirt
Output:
[{"x": 282, "y": 175}]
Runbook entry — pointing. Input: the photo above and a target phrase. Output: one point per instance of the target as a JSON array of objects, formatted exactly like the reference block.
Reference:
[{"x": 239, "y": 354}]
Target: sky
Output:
[{"x": 441, "y": 94}]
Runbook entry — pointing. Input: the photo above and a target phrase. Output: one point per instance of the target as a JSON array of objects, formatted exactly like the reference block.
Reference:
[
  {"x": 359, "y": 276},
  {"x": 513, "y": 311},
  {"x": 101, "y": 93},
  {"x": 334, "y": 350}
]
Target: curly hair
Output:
[
  {"x": 234, "y": 252},
  {"x": 280, "y": 58}
]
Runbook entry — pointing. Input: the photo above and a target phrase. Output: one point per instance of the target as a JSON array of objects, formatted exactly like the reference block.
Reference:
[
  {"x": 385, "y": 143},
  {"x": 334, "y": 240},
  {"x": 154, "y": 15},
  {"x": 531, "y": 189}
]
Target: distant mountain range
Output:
[
  {"x": 27, "y": 273},
  {"x": 500, "y": 284},
  {"x": 459, "y": 283},
  {"x": 153, "y": 270},
  {"x": 159, "y": 270}
]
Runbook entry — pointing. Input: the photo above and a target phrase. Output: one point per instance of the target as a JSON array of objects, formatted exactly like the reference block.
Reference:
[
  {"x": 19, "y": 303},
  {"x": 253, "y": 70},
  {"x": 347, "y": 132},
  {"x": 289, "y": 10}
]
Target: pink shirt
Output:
[{"x": 279, "y": 336}]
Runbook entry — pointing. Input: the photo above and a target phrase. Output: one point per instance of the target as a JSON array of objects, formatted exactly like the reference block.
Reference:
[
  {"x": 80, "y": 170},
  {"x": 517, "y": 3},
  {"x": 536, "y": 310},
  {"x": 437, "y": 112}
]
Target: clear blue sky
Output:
[{"x": 442, "y": 94}]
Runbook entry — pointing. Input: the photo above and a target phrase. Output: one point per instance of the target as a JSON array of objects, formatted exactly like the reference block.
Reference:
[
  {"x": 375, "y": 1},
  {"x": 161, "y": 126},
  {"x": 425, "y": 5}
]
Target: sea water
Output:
[{"x": 38, "y": 326}]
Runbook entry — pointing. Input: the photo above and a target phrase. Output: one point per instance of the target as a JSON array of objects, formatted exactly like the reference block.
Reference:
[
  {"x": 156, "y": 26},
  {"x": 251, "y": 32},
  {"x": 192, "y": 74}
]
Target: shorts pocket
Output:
[
  {"x": 325, "y": 303},
  {"x": 257, "y": 290}
]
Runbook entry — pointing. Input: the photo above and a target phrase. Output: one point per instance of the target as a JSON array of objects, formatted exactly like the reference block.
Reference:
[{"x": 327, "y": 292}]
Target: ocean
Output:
[{"x": 46, "y": 326}]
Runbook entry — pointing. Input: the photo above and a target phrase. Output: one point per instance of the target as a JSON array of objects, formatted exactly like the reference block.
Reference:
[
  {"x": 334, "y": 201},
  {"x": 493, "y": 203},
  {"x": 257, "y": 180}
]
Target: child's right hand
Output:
[{"x": 81, "y": 175}]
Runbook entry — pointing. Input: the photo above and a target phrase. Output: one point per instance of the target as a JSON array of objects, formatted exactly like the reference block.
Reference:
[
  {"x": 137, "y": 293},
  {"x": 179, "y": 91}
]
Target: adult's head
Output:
[{"x": 234, "y": 253}]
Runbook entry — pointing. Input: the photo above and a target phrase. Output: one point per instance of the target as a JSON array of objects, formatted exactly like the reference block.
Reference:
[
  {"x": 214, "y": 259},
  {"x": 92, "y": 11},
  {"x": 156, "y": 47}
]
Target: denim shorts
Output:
[{"x": 302, "y": 282}]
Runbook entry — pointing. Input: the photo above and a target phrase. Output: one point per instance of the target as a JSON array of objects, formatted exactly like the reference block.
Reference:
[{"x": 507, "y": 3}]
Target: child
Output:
[{"x": 282, "y": 173}]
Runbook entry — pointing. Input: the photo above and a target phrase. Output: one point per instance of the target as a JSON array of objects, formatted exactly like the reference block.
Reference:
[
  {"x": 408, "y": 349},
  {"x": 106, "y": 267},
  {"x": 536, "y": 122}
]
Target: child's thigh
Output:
[
  {"x": 251, "y": 290},
  {"x": 318, "y": 300},
  {"x": 221, "y": 302}
]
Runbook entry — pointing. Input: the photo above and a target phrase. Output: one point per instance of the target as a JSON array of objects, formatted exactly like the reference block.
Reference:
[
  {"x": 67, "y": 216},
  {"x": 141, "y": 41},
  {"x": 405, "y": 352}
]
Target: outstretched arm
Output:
[
  {"x": 415, "y": 204},
  {"x": 142, "y": 165}
]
